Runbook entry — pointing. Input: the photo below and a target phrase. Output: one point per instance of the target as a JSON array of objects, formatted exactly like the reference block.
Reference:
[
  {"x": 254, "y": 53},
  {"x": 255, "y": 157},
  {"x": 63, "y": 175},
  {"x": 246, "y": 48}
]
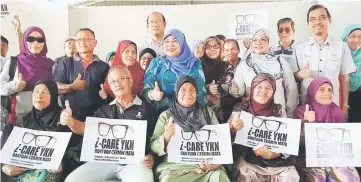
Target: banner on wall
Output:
[
  {"x": 211, "y": 144},
  {"x": 4, "y": 10},
  {"x": 118, "y": 141},
  {"x": 280, "y": 135},
  {"x": 333, "y": 144},
  {"x": 242, "y": 25},
  {"x": 35, "y": 149}
]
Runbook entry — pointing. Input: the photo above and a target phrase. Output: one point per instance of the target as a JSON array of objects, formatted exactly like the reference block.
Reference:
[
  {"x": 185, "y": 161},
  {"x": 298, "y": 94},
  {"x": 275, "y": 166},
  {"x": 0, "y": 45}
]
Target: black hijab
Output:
[
  {"x": 214, "y": 69},
  {"x": 147, "y": 50},
  {"x": 47, "y": 119},
  {"x": 192, "y": 118}
]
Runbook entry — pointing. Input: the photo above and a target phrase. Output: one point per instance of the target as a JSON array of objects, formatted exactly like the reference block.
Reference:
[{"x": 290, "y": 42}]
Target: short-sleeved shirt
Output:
[
  {"x": 330, "y": 60},
  {"x": 288, "y": 54},
  {"x": 87, "y": 100},
  {"x": 158, "y": 48}
]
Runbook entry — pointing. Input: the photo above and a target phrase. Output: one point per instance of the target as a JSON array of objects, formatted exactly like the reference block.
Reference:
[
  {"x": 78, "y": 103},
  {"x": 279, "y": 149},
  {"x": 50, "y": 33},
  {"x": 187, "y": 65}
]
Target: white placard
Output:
[
  {"x": 35, "y": 149},
  {"x": 118, "y": 141},
  {"x": 280, "y": 135},
  {"x": 211, "y": 144},
  {"x": 243, "y": 25},
  {"x": 333, "y": 144}
]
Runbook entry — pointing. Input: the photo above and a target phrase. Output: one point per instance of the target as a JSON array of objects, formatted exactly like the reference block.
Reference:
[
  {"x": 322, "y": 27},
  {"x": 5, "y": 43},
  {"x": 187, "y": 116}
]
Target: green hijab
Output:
[{"x": 355, "y": 78}]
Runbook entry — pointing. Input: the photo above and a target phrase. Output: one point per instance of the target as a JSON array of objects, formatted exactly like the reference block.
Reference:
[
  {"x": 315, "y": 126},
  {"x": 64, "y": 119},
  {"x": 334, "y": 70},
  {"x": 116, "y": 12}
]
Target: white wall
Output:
[{"x": 52, "y": 17}]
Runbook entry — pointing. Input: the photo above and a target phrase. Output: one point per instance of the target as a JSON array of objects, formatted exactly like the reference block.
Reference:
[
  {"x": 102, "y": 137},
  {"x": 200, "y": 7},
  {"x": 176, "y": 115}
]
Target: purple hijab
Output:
[
  {"x": 33, "y": 67},
  {"x": 324, "y": 113}
]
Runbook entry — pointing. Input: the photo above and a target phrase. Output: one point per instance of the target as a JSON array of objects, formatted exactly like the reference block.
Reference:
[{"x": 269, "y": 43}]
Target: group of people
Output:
[{"x": 316, "y": 80}]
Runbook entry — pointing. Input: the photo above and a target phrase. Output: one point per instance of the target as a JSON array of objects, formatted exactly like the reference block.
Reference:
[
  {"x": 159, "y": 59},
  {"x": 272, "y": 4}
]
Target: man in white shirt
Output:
[
  {"x": 4, "y": 51},
  {"x": 156, "y": 25},
  {"x": 324, "y": 56}
]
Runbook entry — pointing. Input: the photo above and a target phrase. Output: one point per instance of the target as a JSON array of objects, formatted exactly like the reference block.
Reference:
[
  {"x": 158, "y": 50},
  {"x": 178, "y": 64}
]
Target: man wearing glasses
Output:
[
  {"x": 323, "y": 55},
  {"x": 125, "y": 106},
  {"x": 156, "y": 25}
]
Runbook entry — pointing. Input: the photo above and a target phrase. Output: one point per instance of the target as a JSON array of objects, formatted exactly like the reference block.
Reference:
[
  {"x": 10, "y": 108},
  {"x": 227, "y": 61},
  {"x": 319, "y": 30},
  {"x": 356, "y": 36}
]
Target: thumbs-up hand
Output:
[
  {"x": 102, "y": 92},
  {"x": 155, "y": 94},
  {"x": 309, "y": 115},
  {"x": 236, "y": 123},
  {"x": 305, "y": 72},
  {"x": 66, "y": 117},
  {"x": 20, "y": 83},
  {"x": 169, "y": 130},
  {"x": 78, "y": 83},
  {"x": 234, "y": 88},
  {"x": 213, "y": 88}
]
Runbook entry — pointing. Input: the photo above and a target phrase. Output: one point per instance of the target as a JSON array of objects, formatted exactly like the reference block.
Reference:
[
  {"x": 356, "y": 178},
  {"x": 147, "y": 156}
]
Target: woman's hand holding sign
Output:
[
  {"x": 208, "y": 167},
  {"x": 265, "y": 153},
  {"x": 148, "y": 161},
  {"x": 11, "y": 170},
  {"x": 309, "y": 115},
  {"x": 169, "y": 131}
]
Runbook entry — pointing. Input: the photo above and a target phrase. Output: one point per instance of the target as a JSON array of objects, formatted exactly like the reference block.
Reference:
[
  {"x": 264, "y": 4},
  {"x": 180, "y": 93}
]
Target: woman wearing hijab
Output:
[
  {"x": 31, "y": 66},
  {"x": 262, "y": 164},
  {"x": 126, "y": 56},
  {"x": 110, "y": 57},
  {"x": 352, "y": 35},
  {"x": 44, "y": 116},
  {"x": 219, "y": 80},
  {"x": 145, "y": 56},
  {"x": 262, "y": 60},
  {"x": 163, "y": 71},
  {"x": 191, "y": 116},
  {"x": 198, "y": 48},
  {"x": 320, "y": 108}
]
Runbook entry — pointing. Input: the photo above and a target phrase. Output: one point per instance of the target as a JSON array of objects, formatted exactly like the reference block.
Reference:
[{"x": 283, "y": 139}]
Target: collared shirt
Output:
[
  {"x": 158, "y": 48},
  {"x": 2, "y": 62},
  {"x": 288, "y": 54},
  {"x": 137, "y": 101},
  {"x": 330, "y": 60}
]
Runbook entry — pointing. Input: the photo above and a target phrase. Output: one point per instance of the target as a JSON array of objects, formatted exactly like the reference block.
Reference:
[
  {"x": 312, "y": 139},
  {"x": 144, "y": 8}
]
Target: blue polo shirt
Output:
[{"x": 84, "y": 102}]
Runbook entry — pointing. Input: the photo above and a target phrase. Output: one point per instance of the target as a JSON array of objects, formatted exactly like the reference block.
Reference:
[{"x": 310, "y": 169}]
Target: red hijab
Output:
[{"x": 135, "y": 70}]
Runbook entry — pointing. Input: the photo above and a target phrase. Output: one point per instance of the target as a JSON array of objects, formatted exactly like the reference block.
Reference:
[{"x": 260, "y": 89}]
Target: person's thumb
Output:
[
  {"x": 234, "y": 84},
  {"x": 156, "y": 86},
  {"x": 307, "y": 66},
  {"x": 20, "y": 76},
  {"x": 102, "y": 86},
  {"x": 79, "y": 76},
  {"x": 171, "y": 120},
  {"x": 213, "y": 82},
  {"x": 67, "y": 107},
  {"x": 307, "y": 107}
]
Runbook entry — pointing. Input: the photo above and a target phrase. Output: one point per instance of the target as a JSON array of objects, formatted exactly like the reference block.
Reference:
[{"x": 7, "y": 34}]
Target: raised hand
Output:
[
  {"x": 234, "y": 88},
  {"x": 236, "y": 123},
  {"x": 213, "y": 88},
  {"x": 155, "y": 94},
  {"x": 78, "y": 83},
  {"x": 305, "y": 72},
  {"x": 16, "y": 22},
  {"x": 102, "y": 92},
  {"x": 20, "y": 83},
  {"x": 309, "y": 115},
  {"x": 169, "y": 130},
  {"x": 66, "y": 117}
]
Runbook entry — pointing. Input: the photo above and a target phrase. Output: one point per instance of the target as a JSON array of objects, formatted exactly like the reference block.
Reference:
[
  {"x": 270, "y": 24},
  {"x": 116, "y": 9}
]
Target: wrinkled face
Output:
[
  {"x": 260, "y": 44},
  {"x": 171, "y": 47},
  {"x": 41, "y": 97},
  {"x": 285, "y": 32},
  {"x": 354, "y": 40},
  {"x": 35, "y": 42},
  {"x": 187, "y": 95},
  {"x": 120, "y": 83},
  {"x": 263, "y": 92},
  {"x": 145, "y": 60},
  {"x": 129, "y": 55},
  {"x": 155, "y": 24},
  {"x": 199, "y": 50},
  {"x": 213, "y": 49},
  {"x": 318, "y": 21},
  {"x": 4, "y": 49},
  {"x": 324, "y": 94},
  {"x": 70, "y": 47},
  {"x": 230, "y": 51},
  {"x": 85, "y": 42}
]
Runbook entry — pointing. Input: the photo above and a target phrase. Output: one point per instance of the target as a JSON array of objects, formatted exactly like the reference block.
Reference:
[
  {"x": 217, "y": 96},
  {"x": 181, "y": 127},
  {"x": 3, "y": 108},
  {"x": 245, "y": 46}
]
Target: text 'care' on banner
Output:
[
  {"x": 118, "y": 141},
  {"x": 280, "y": 135},
  {"x": 333, "y": 144},
  {"x": 211, "y": 144},
  {"x": 35, "y": 149}
]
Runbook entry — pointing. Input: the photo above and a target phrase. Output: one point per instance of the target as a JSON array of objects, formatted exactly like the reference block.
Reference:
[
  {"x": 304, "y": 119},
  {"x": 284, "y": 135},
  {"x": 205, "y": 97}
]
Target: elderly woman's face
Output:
[
  {"x": 171, "y": 46},
  {"x": 129, "y": 55},
  {"x": 354, "y": 40},
  {"x": 199, "y": 50},
  {"x": 35, "y": 42},
  {"x": 145, "y": 60},
  {"x": 260, "y": 44},
  {"x": 213, "y": 49},
  {"x": 41, "y": 97},
  {"x": 324, "y": 94},
  {"x": 263, "y": 92},
  {"x": 187, "y": 95}
]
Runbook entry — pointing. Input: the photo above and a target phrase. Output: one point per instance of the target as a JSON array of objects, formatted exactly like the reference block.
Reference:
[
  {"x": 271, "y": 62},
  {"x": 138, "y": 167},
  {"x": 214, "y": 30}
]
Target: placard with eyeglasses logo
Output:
[
  {"x": 280, "y": 135},
  {"x": 118, "y": 141},
  {"x": 243, "y": 25},
  {"x": 35, "y": 149},
  {"x": 211, "y": 144},
  {"x": 333, "y": 144}
]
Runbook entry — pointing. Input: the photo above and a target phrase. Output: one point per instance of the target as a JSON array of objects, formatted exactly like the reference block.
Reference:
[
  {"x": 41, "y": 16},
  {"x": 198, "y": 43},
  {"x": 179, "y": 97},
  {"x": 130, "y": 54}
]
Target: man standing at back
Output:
[
  {"x": 79, "y": 77},
  {"x": 156, "y": 25}
]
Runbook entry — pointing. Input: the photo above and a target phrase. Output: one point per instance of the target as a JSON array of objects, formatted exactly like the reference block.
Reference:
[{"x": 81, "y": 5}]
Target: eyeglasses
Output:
[
  {"x": 320, "y": 19},
  {"x": 83, "y": 40},
  {"x": 118, "y": 80},
  {"x": 40, "y": 140},
  {"x": 37, "y": 39},
  {"x": 271, "y": 125},
  {"x": 201, "y": 135},
  {"x": 214, "y": 47},
  {"x": 119, "y": 131},
  {"x": 287, "y": 30},
  {"x": 250, "y": 18},
  {"x": 335, "y": 134}
]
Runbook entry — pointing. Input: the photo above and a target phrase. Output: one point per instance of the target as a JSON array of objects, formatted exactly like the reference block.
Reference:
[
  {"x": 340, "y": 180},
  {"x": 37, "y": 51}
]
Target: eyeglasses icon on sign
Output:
[
  {"x": 40, "y": 140},
  {"x": 201, "y": 135},
  {"x": 271, "y": 125},
  {"x": 119, "y": 131},
  {"x": 250, "y": 19},
  {"x": 335, "y": 134}
]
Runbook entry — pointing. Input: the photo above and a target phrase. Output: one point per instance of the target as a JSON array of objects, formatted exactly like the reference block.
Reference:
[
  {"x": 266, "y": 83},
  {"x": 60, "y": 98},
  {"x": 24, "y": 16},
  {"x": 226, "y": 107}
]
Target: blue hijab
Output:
[
  {"x": 109, "y": 55},
  {"x": 184, "y": 61}
]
